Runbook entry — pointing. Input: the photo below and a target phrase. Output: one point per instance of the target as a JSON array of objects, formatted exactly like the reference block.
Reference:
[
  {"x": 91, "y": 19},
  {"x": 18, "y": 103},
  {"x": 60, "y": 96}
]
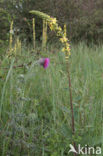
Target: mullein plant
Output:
[
  {"x": 17, "y": 47},
  {"x": 13, "y": 50},
  {"x": 18, "y": 43},
  {"x": 11, "y": 39},
  {"x": 65, "y": 30},
  {"x": 53, "y": 25},
  {"x": 34, "y": 38}
]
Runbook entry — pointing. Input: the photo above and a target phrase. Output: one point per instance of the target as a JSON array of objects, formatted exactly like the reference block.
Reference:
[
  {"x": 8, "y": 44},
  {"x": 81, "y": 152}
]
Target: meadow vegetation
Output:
[
  {"x": 35, "y": 112},
  {"x": 44, "y": 109}
]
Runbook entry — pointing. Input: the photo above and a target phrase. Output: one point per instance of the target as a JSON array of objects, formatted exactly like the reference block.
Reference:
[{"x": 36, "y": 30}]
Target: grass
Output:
[{"x": 35, "y": 109}]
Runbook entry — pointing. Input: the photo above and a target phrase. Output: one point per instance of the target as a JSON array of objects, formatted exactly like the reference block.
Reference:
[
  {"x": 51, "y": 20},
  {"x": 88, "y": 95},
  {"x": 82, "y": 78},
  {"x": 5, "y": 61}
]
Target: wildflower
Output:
[
  {"x": 63, "y": 49},
  {"x": 44, "y": 62},
  {"x": 66, "y": 49},
  {"x": 59, "y": 29},
  {"x": 65, "y": 30},
  {"x": 63, "y": 39},
  {"x": 53, "y": 25},
  {"x": 53, "y": 20}
]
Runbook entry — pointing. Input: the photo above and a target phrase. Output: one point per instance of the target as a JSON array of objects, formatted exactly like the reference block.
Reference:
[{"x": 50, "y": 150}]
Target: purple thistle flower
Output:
[{"x": 44, "y": 62}]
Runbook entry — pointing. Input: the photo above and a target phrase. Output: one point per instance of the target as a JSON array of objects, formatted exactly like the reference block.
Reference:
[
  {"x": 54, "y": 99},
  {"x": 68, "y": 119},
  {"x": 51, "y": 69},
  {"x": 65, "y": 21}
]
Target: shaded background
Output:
[{"x": 84, "y": 18}]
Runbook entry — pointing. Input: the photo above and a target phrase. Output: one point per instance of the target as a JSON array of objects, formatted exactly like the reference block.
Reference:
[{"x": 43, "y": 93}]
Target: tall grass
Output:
[{"x": 35, "y": 110}]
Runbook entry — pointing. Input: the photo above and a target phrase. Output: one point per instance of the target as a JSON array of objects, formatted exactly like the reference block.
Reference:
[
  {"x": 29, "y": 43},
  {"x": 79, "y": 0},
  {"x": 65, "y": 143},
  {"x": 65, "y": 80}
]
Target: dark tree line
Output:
[{"x": 84, "y": 18}]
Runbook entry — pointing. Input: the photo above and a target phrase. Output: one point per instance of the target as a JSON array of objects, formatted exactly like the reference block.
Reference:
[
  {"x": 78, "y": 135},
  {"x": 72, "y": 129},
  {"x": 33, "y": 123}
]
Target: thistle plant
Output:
[
  {"x": 53, "y": 25},
  {"x": 33, "y": 22},
  {"x": 44, "y": 36}
]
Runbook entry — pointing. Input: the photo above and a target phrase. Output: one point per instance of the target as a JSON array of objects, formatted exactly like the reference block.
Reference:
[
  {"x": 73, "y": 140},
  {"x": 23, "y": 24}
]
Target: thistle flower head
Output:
[{"x": 44, "y": 62}]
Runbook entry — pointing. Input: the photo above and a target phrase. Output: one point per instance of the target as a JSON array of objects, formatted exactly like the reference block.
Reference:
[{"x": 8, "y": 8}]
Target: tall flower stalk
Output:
[
  {"x": 17, "y": 47},
  {"x": 53, "y": 25},
  {"x": 11, "y": 38},
  {"x": 65, "y": 30},
  {"x": 33, "y": 22}
]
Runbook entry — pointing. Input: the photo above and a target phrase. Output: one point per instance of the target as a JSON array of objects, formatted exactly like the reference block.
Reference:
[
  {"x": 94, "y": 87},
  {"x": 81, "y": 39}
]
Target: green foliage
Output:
[
  {"x": 83, "y": 18},
  {"x": 4, "y": 26},
  {"x": 35, "y": 113}
]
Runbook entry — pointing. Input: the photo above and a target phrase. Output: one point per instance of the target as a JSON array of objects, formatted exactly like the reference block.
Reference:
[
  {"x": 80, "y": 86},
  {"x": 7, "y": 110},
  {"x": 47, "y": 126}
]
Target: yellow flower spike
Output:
[
  {"x": 61, "y": 39},
  {"x": 67, "y": 44},
  {"x": 53, "y": 20},
  {"x": 63, "y": 49},
  {"x": 34, "y": 37},
  {"x": 59, "y": 29},
  {"x": 64, "y": 39},
  {"x": 53, "y": 25},
  {"x": 66, "y": 57},
  {"x": 11, "y": 38},
  {"x": 68, "y": 48},
  {"x": 65, "y": 30}
]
